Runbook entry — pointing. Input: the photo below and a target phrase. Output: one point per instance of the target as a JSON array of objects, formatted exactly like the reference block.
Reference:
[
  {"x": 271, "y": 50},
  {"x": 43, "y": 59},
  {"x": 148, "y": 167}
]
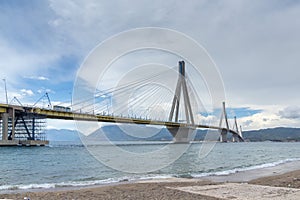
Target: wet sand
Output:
[{"x": 280, "y": 185}]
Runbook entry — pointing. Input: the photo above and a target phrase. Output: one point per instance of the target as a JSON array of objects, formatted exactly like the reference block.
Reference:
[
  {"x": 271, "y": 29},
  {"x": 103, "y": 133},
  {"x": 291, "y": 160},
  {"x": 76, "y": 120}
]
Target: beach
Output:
[{"x": 277, "y": 182}]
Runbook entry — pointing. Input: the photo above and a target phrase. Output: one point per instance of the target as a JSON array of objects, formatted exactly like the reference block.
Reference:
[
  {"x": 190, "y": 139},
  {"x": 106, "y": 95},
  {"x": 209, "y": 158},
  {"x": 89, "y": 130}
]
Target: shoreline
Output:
[
  {"x": 288, "y": 187},
  {"x": 288, "y": 174},
  {"x": 249, "y": 175},
  {"x": 235, "y": 175}
]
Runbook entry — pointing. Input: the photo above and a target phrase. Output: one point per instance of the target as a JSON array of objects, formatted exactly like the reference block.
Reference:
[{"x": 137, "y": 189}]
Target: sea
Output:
[{"x": 71, "y": 164}]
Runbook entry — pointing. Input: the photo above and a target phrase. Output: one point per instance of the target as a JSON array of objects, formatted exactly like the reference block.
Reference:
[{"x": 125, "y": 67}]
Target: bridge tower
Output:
[
  {"x": 182, "y": 134},
  {"x": 224, "y": 132},
  {"x": 235, "y": 137},
  {"x": 241, "y": 131}
]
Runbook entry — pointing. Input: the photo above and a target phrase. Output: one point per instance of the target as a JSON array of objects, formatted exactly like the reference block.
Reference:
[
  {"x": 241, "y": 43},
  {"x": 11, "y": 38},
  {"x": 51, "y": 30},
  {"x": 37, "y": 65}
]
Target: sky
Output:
[{"x": 255, "y": 45}]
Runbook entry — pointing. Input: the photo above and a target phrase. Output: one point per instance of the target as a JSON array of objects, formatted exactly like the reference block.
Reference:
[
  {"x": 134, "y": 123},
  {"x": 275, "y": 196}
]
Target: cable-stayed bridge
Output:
[{"x": 141, "y": 101}]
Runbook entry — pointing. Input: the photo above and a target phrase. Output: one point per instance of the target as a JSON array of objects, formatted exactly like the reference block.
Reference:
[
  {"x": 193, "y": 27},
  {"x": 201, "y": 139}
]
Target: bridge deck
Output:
[{"x": 53, "y": 114}]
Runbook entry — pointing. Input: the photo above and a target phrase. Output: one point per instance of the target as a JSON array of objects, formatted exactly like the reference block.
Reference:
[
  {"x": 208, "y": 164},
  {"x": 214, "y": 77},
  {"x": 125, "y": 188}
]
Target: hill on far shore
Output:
[
  {"x": 118, "y": 133},
  {"x": 279, "y": 134}
]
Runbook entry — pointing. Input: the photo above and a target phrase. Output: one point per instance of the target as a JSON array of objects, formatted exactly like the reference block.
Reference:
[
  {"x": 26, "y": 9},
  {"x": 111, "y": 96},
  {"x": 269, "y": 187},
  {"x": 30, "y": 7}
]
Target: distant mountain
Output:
[
  {"x": 149, "y": 133},
  {"x": 131, "y": 133},
  {"x": 119, "y": 133},
  {"x": 273, "y": 134},
  {"x": 62, "y": 135}
]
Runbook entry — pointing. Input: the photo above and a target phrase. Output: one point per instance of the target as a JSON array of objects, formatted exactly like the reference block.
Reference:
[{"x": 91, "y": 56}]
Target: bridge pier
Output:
[
  {"x": 235, "y": 138},
  {"x": 223, "y": 137},
  {"x": 182, "y": 134},
  {"x": 4, "y": 117},
  {"x": 20, "y": 127}
]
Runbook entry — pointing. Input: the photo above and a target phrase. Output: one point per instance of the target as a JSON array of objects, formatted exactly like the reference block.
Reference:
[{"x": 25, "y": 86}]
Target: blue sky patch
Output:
[{"x": 231, "y": 112}]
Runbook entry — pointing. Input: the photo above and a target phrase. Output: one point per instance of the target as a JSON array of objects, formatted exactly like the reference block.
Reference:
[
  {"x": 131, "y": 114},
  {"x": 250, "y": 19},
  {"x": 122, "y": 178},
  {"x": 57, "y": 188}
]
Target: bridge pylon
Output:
[
  {"x": 241, "y": 131},
  {"x": 224, "y": 132},
  {"x": 235, "y": 137},
  {"x": 236, "y": 134},
  {"x": 182, "y": 134}
]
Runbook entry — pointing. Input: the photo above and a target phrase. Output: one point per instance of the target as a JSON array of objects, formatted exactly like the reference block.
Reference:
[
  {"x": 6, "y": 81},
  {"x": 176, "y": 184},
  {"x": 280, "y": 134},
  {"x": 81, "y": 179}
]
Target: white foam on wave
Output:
[
  {"x": 137, "y": 178},
  {"x": 56, "y": 185},
  {"x": 29, "y": 186},
  {"x": 232, "y": 171},
  {"x": 81, "y": 183}
]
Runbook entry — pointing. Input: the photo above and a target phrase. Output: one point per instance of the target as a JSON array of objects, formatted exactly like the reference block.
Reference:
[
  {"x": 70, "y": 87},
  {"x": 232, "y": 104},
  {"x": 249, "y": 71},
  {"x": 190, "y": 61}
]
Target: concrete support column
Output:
[
  {"x": 4, "y": 126},
  {"x": 182, "y": 134},
  {"x": 33, "y": 129},
  {"x": 235, "y": 138},
  {"x": 224, "y": 135},
  {"x": 13, "y": 124}
]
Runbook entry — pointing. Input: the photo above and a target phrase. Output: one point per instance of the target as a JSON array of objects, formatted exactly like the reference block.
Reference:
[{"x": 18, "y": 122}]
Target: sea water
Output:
[{"x": 68, "y": 164}]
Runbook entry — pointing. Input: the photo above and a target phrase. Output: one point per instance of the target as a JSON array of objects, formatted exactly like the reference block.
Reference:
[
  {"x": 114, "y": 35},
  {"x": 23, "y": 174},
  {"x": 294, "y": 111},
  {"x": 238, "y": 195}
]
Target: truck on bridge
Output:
[{"x": 62, "y": 108}]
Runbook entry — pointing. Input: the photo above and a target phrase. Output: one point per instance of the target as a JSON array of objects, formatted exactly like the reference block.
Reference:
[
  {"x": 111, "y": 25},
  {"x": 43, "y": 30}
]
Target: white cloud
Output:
[
  {"x": 60, "y": 124},
  {"x": 40, "y": 78},
  {"x": 254, "y": 43},
  {"x": 15, "y": 62},
  {"x": 268, "y": 118},
  {"x": 244, "y": 37},
  {"x": 207, "y": 120},
  {"x": 44, "y": 90},
  {"x": 290, "y": 112},
  {"x": 25, "y": 92}
]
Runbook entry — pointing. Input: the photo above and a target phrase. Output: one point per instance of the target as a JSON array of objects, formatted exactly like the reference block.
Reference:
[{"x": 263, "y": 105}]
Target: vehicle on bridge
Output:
[{"x": 62, "y": 108}]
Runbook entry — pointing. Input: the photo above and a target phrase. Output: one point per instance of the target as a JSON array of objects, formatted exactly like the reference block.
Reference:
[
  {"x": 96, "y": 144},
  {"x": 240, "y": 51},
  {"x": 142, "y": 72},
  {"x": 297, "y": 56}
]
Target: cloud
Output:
[
  {"x": 259, "y": 121},
  {"x": 29, "y": 49},
  {"x": 40, "y": 78},
  {"x": 207, "y": 120},
  {"x": 244, "y": 38},
  {"x": 269, "y": 117},
  {"x": 25, "y": 92},
  {"x": 254, "y": 43},
  {"x": 290, "y": 112},
  {"x": 15, "y": 62},
  {"x": 61, "y": 124}
]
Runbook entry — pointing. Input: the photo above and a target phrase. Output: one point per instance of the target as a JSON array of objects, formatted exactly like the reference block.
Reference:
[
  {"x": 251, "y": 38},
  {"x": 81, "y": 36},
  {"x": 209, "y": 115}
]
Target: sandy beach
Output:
[{"x": 274, "y": 183}]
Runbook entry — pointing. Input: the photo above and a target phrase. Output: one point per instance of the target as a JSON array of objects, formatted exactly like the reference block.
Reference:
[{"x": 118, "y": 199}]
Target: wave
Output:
[
  {"x": 84, "y": 183},
  {"x": 242, "y": 169},
  {"x": 80, "y": 183}
]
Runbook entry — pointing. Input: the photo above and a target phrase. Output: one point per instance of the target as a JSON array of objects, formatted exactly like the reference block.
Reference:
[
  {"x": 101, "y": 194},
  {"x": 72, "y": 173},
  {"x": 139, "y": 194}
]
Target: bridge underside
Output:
[
  {"x": 188, "y": 134},
  {"x": 182, "y": 134},
  {"x": 235, "y": 136}
]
